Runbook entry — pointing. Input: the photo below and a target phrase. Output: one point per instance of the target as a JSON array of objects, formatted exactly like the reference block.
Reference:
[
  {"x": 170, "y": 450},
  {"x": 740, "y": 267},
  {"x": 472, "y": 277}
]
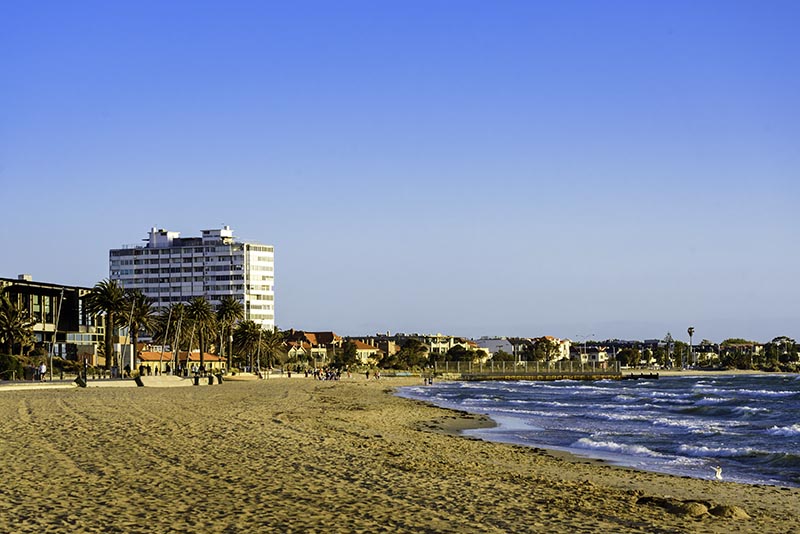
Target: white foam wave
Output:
[
  {"x": 696, "y": 426},
  {"x": 714, "y": 452},
  {"x": 749, "y": 410},
  {"x": 766, "y": 393},
  {"x": 622, "y": 417},
  {"x": 711, "y": 400},
  {"x": 793, "y": 430},
  {"x": 510, "y": 424},
  {"x": 667, "y": 394},
  {"x": 614, "y": 447}
]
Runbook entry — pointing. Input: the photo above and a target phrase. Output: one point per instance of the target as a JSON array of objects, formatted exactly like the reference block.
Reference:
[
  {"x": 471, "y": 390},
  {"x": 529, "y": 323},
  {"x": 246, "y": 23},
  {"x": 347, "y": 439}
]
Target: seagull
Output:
[{"x": 717, "y": 472}]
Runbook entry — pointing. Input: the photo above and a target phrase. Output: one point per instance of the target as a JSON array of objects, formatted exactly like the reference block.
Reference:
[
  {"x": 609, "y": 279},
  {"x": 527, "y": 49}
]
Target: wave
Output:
[
  {"x": 621, "y": 417},
  {"x": 617, "y": 448},
  {"x": 712, "y": 400},
  {"x": 748, "y": 410},
  {"x": 766, "y": 393},
  {"x": 667, "y": 394},
  {"x": 716, "y": 410},
  {"x": 700, "y": 451},
  {"x": 519, "y": 411},
  {"x": 793, "y": 430},
  {"x": 670, "y": 402},
  {"x": 772, "y": 460},
  {"x": 696, "y": 426}
]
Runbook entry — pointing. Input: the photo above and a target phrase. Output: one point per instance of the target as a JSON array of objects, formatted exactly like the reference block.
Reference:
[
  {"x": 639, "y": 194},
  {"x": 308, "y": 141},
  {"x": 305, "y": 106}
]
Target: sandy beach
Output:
[{"x": 300, "y": 455}]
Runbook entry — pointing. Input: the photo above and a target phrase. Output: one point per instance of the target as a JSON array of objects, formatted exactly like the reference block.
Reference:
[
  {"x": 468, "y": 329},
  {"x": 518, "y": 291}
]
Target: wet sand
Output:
[{"x": 299, "y": 455}]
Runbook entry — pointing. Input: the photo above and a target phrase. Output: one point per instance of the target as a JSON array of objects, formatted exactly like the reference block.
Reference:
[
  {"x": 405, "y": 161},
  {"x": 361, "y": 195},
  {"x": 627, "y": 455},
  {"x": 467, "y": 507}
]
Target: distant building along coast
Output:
[
  {"x": 171, "y": 269},
  {"x": 61, "y": 321}
]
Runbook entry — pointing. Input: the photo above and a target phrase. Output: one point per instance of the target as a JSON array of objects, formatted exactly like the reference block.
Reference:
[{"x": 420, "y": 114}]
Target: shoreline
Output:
[
  {"x": 606, "y": 457},
  {"x": 311, "y": 456},
  {"x": 717, "y": 372}
]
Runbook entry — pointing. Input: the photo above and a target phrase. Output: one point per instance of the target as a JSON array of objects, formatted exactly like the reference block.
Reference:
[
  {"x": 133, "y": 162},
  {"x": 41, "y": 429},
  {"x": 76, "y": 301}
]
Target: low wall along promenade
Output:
[{"x": 524, "y": 370}]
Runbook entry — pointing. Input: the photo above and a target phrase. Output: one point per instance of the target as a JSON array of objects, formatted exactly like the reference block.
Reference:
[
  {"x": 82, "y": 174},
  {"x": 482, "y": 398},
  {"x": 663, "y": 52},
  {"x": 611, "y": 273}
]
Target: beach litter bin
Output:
[
  {"x": 196, "y": 380},
  {"x": 219, "y": 379},
  {"x": 80, "y": 381},
  {"x": 210, "y": 380}
]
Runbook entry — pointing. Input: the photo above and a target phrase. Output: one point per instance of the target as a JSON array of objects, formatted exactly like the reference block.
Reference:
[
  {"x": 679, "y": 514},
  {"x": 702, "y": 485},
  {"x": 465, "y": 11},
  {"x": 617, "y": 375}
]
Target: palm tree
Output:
[
  {"x": 247, "y": 337},
  {"x": 16, "y": 325},
  {"x": 142, "y": 315},
  {"x": 165, "y": 328},
  {"x": 107, "y": 297},
  {"x": 271, "y": 345},
  {"x": 200, "y": 312},
  {"x": 229, "y": 313}
]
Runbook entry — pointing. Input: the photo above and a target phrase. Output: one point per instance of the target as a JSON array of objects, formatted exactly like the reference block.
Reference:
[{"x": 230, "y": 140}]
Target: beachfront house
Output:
[
  {"x": 367, "y": 354},
  {"x": 314, "y": 348},
  {"x": 593, "y": 354},
  {"x": 495, "y": 344}
]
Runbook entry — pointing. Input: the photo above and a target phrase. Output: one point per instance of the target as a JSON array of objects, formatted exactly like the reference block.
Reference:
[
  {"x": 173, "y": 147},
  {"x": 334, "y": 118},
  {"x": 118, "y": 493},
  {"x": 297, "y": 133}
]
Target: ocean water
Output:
[{"x": 747, "y": 424}]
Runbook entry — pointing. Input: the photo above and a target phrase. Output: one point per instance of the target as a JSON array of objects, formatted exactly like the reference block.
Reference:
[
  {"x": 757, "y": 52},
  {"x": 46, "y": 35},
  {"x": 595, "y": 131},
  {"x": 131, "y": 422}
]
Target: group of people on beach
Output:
[
  {"x": 329, "y": 373},
  {"x": 326, "y": 373},
  {"x": 38, "y": 372}
]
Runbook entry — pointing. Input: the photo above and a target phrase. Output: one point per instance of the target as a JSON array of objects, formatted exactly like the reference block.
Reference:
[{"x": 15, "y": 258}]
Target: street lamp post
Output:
[
  {"x": 690, "y": 331},
  {"x": 583, "y": 337}
]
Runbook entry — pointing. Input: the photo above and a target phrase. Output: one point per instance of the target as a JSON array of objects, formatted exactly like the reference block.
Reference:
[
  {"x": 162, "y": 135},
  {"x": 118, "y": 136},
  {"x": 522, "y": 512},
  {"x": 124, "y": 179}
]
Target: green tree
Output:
[
  {"x": 459, "y": 353},
  {"x": 16, "y": 325},
  {"x": 545, "y": 349},
  {"x": 737, "y": 353},
  {"x": 10, "y": 367},
  {"x": 630, "y": 356},
  {"x": 271, "y": 346},
  {"x": 201, "y": 314},
  {"x": 230, "y": 312},
  {"x": 142, "y": 316},
  {"x": 346, "y": 356},
  {"x": 528, "y": 352},
  {"x": 785, "y": 349},
  {"x": 660, "y": 356},
  {"x": 681, "y": 353},
  {"x": 246, "y": 339},
  {"x": 165, "y": 325},
  {"x": 502, "y": 356},
  {"x": 108, "y": 299},
  {"x": 413, "y": 353},
  {"x": 737, "y": 341}
]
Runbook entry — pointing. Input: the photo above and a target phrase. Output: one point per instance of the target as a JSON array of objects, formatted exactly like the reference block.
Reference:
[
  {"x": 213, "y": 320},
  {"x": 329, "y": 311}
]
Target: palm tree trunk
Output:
[
  {"x": 230, "y": 347},
  {"x": 108, "y": 339},
  {"x": 135, "y": 340},
  {"x": 202, "y": 343}
]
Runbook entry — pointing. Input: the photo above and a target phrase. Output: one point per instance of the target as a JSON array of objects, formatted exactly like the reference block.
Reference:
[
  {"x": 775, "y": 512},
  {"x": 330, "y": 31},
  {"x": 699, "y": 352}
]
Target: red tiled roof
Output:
[
  {"x": 360, "y": 345},
  {"x": 315, "y": 338},
  {"x": 193, "y": 357}
]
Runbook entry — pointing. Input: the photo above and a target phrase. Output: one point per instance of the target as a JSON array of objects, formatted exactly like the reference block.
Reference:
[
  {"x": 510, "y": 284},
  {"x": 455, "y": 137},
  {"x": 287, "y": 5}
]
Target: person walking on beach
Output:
[{"x": 42, "y": 371}]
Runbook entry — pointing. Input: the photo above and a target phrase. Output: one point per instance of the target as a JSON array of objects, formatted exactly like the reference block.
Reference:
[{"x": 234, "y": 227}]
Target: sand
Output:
[{"x": 300, "y": 455}]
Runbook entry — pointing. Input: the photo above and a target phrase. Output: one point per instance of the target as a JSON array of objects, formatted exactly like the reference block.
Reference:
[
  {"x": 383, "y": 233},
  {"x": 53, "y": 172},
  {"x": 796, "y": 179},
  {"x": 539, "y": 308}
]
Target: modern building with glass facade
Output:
[
  {"x": 171, "y": 269},
  {"x": 62, "y": 325}
]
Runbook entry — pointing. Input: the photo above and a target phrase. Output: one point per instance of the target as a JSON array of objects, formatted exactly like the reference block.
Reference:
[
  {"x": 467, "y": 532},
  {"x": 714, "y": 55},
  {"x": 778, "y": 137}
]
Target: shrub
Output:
[{"x": 10, "y": 367}]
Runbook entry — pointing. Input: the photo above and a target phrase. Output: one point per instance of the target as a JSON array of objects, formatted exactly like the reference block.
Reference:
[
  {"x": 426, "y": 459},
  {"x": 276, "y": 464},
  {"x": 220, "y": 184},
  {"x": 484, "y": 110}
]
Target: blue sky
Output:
[{"x": 617, "y": 168}]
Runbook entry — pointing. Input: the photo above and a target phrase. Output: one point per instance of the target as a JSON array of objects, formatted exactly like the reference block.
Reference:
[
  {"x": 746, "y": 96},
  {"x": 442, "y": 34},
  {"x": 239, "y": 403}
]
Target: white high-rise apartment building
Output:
[{"x": 171, "y": 269}]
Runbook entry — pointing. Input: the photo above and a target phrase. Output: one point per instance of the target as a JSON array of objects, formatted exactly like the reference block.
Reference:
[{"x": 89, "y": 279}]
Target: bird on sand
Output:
[{"x": 717, "y": 472}]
